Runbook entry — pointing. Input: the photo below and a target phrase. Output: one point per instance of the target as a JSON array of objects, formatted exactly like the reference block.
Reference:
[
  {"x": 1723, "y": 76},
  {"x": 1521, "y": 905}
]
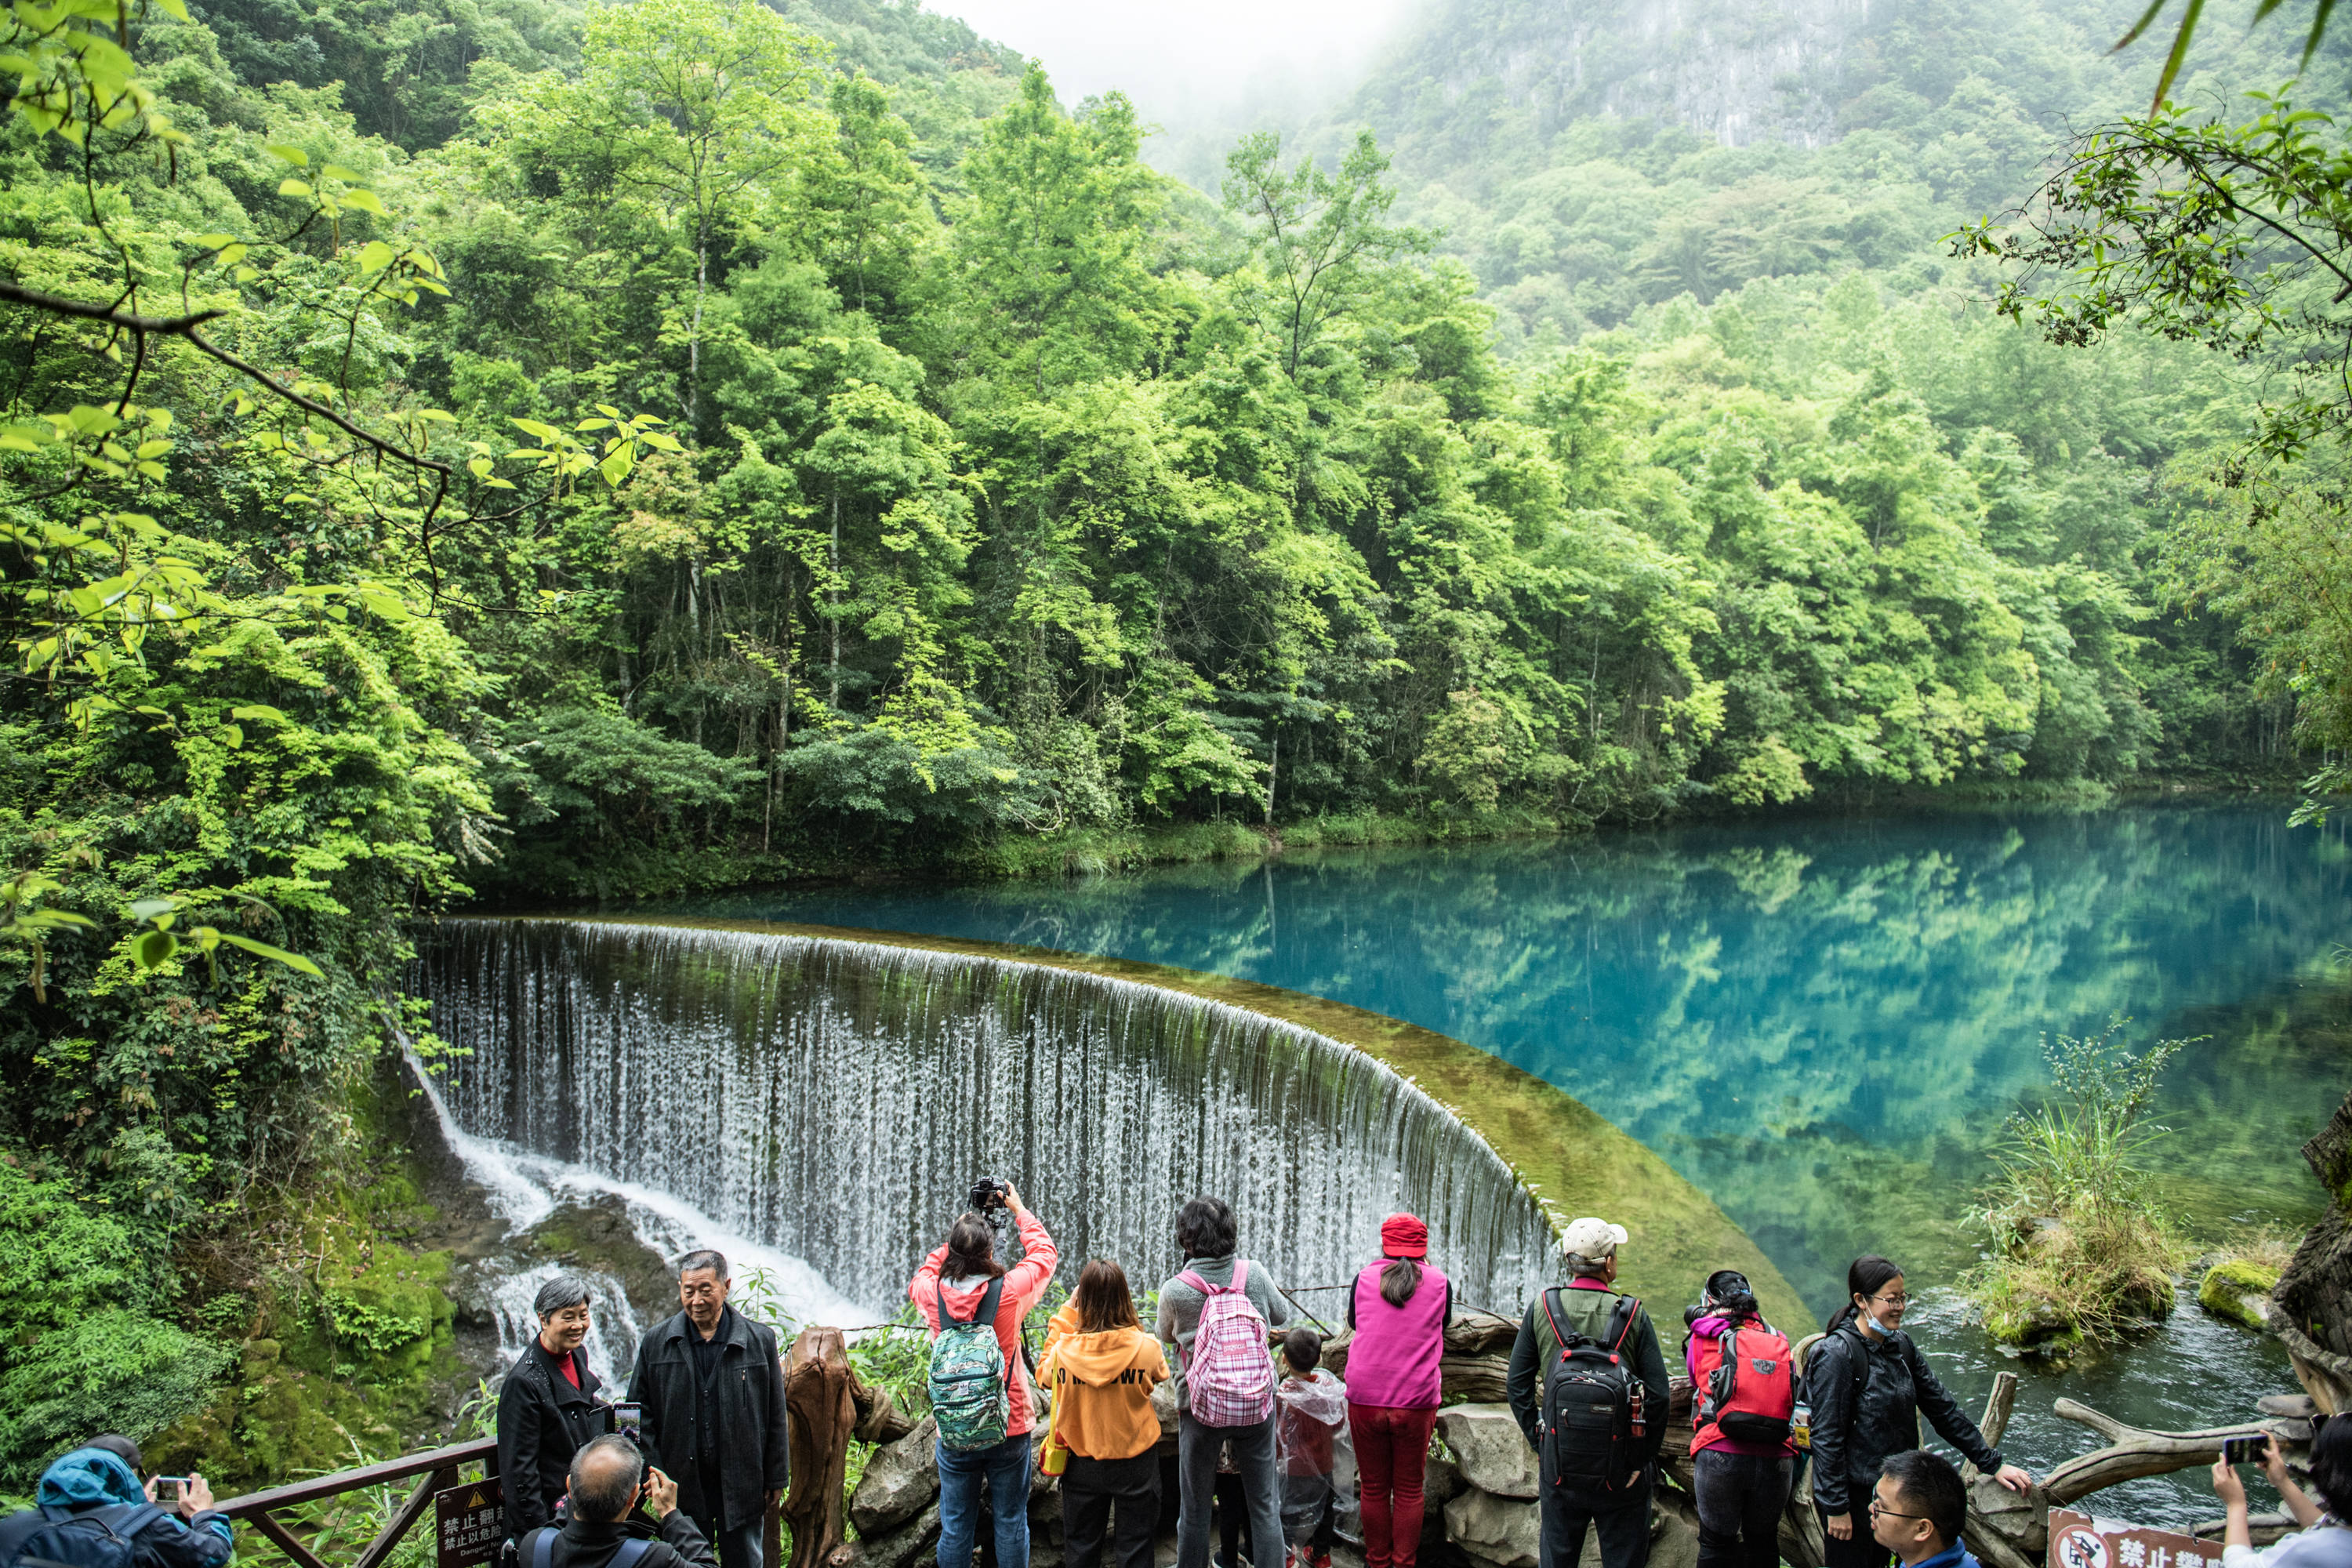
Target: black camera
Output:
[
  {"x": 625, "y": 1420},
  {"x": 988, "y": 1196}
]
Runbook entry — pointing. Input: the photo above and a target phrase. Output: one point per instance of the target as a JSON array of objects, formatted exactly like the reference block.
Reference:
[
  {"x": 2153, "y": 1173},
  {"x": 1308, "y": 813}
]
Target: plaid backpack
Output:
[{"x": 1229, "y": 1377}]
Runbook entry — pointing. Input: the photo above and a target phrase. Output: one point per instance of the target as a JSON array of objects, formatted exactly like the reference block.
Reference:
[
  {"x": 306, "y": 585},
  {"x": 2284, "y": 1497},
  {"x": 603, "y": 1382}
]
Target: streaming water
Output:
[{"x": 835, "y": 1100}]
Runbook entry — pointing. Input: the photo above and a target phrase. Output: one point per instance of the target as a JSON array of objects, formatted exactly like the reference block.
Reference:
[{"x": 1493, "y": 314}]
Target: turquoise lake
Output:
[{"x": 1822, "y": 1022}]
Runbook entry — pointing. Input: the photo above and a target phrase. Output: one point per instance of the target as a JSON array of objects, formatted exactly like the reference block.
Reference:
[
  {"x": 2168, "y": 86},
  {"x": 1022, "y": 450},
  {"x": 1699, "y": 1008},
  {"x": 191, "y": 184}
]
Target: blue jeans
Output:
[{"x": 1005, "y": 1469}]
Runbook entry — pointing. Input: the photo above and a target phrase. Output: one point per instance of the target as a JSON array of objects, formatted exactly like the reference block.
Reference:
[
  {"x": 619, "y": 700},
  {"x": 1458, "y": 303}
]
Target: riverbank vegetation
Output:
[
  {"x": 2082, "y": 1251},
  {"x": 498, "y": 455}
]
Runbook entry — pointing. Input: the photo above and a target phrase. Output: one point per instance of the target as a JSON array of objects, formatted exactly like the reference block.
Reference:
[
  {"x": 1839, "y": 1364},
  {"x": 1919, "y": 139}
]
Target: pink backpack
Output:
[{"x": 1229, "y": 1377}]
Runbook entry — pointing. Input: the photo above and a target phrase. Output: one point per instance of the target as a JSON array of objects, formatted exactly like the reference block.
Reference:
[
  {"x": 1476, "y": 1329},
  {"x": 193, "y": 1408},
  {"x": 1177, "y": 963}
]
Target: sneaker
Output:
[{"x": 1320, "y": 1560}]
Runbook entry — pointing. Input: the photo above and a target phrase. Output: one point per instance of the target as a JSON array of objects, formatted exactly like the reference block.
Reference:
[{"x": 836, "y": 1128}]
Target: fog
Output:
[{"x": 1192, "y": 66}]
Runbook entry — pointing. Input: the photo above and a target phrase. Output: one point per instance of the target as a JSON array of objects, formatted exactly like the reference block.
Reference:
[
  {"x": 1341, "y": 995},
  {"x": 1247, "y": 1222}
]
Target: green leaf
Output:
[
  {"x": 293, "y": 961},
  {"x": 364, "y": 199},
  {"x": 374, "y": 256},
  {"x": 294, "y": 156},
  {"x": 154, "y": 949},
  {"x": 260, "y": 711}
]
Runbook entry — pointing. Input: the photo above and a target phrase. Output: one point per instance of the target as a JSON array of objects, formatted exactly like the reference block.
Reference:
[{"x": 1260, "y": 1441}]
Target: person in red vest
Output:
[
  {"x": 1398, "y": 1308},
  {"x": 1742, "y": 1474}
]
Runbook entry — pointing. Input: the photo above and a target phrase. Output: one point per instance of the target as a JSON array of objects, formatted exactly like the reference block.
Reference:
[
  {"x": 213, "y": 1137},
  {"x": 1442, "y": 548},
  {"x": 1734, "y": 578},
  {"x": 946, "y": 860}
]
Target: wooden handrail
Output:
[
  {"x": 318, "y": 1488},
  {"x": 437, "y": 1466}
]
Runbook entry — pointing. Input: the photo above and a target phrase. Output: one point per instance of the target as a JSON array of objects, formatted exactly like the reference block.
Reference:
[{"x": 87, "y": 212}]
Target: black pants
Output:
[
  {"x": 1623, "y": 1527},
  {"x": 1232, "y": 1512},
  {"x": 1089, "y": 1490},
  {"x": 1740, "y": 1497},
  {"x": 1862, "y": 1550}
]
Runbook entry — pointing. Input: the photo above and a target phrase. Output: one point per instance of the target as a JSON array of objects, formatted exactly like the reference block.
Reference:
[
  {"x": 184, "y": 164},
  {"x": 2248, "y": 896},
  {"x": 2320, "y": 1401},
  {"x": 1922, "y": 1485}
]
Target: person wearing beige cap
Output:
[{"x": 1588, "y": 1385}]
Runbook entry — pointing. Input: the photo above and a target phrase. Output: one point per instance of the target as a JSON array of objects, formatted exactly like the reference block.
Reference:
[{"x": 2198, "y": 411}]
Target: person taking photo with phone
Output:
[
  {"x": 710, "y": 1383},
  {"x": 607, "y": 1479},
  {"x": 548, "y": 1406},
  {"x": 91, "y": 1506},
  {"x": 2321, "y": 1539}
]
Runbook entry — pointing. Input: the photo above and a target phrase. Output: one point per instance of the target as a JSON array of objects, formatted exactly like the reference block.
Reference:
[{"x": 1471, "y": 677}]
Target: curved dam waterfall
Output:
[{"x": 835, "y": 1100}]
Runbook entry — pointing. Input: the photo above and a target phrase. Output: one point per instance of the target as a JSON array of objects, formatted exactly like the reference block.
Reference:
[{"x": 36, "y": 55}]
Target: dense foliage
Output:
[{"x": 553, "y": 451}]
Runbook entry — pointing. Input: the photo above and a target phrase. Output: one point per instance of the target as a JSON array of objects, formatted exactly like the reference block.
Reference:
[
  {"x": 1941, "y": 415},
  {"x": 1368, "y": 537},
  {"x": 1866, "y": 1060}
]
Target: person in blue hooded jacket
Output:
[{"x": 104, "y": 1473}]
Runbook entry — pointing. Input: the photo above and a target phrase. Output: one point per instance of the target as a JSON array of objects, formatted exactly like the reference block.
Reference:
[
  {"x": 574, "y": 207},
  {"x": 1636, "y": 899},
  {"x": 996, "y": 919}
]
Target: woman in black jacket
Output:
[
  {"x": 1868, "y": 1387},
  {"x": 547, "y": 1408}
]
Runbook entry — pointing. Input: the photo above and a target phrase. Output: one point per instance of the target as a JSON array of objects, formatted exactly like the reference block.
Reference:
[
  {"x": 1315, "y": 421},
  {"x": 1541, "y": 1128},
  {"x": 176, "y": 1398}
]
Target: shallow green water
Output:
[{"x": 1820, "y": 1022}]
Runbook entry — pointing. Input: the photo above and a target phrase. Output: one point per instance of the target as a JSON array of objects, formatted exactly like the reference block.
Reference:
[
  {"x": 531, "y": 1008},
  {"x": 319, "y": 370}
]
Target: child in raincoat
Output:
[{"x": 1311, "y": 1449}]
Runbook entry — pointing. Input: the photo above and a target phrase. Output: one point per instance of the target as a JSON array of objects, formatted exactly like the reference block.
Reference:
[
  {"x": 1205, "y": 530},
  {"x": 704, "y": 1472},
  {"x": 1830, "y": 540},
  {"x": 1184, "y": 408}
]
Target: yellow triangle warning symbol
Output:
[{"x": 473, "y": 1501}]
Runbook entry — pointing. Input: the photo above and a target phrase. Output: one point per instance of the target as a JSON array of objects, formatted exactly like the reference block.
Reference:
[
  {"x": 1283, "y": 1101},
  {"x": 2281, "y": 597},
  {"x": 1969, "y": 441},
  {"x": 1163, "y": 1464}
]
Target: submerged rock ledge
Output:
[{"x": 1551, "y": 1156}]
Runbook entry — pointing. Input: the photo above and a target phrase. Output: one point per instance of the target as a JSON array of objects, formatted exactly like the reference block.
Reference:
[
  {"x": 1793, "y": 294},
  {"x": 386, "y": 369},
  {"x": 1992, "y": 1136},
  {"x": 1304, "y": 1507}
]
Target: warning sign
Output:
[
  {"x": 2079, "y": 1541},
  {"x": 469, "y": 1522}
]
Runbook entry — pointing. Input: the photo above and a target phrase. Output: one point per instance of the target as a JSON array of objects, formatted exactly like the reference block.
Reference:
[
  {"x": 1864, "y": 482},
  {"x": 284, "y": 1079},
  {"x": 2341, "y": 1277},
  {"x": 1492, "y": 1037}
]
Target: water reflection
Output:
[{"x": 1821, "y": 1023}]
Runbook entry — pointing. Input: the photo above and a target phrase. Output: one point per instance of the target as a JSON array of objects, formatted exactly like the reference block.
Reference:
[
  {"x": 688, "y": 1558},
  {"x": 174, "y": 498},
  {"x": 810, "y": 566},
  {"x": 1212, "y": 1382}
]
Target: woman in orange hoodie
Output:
[{"x": 1102, "y": 1366}]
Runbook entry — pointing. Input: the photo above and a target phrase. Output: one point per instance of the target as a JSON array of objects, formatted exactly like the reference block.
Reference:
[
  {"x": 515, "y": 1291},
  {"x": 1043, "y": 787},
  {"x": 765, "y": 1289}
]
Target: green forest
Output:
[{"x": 537, "y": 452}]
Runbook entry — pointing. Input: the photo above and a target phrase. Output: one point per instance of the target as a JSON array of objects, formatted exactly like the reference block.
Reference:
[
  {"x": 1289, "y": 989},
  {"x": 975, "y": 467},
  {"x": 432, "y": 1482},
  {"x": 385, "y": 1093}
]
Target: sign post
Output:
[
  {"x": 469, "y": 1525},
  {"x": 2079, "y": 1541}
]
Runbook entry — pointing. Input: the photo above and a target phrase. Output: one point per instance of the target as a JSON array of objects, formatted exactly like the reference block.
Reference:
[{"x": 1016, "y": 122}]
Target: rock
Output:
[
  {"x": 1673, "y": 1529},
  {"x": 1491, "y": 1450},
  {"x": 2238, "y": 1292},
  {"x": 1163, "y": 1405},
  {"x": 1500, "y": 1531},
  {"x": 900, "y": 1548},
  {"x": 1441, "y": 1482},
  {"x": 898, "y": 1481}
]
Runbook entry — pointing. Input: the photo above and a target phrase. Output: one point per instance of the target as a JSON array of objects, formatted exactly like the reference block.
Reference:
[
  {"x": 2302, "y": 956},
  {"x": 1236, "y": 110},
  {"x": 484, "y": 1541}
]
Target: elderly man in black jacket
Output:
[
  {"x": 607, "y": 1479},
  {"x": 548, "y": 1407},
  {"x": 713, "y": 1387}
]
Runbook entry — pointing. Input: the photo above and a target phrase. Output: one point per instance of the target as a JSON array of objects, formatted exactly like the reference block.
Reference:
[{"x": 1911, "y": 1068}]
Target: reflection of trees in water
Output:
[{"x": 1824, "y": 1022}]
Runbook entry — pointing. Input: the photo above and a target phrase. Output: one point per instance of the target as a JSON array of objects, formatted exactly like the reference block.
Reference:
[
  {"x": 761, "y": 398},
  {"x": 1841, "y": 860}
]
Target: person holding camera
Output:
[
  {"x": 607, "y": 1479},
  {"x": 709, "y": 1387},
  {"x": 2321, "y": 1539},
  {"x": 93, "y": 1495},
  {"x": 980, "y": 1395},
  {"x": 548, "y": 1407}
]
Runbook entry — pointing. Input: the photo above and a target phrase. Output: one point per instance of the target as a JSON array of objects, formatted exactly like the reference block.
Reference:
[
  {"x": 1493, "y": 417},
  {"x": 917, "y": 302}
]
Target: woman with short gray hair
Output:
[{"x": 547, "y": 1406}]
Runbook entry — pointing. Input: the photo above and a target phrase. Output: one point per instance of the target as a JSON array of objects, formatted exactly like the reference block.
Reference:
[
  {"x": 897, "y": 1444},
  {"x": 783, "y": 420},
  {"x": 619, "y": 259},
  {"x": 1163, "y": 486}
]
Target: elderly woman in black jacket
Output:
[
  {"x": 547, "y": 1408},
  {"x": 1869, "y": 1386}
]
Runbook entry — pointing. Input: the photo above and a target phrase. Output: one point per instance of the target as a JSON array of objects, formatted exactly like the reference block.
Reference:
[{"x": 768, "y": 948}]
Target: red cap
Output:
[{"x": 1402, "y": 1236}]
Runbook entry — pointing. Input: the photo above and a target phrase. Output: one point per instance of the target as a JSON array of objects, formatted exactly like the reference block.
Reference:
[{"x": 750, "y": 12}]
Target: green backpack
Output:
[{"x": 970, "y": 1395}]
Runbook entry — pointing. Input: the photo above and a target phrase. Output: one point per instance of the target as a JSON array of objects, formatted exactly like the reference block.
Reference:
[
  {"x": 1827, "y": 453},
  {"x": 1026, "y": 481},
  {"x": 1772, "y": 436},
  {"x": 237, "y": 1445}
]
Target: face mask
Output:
[{"x": 1871, "y": 1324}]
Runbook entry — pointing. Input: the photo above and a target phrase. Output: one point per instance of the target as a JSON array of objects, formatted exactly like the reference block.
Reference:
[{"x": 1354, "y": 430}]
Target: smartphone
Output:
[
  {"x": 2245, "y": 1450},
  {"x": 628, "y": 1419},
  {"x": 170, "y": 1489}
]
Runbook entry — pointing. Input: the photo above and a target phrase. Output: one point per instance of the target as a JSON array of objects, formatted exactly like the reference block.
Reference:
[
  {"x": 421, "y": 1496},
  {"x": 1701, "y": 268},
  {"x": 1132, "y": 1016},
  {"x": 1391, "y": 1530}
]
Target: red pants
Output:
[{"x": 1392, "y": 1456}]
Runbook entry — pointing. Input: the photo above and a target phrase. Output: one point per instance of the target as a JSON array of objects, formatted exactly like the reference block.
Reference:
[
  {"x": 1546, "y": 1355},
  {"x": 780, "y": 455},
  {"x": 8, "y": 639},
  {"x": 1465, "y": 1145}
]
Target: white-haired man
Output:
[{"x": 1589, "y": 1387}]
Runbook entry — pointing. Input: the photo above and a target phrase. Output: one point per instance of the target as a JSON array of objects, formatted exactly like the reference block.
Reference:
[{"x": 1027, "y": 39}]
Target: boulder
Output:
[
  {"x": 2238, "y": 1292},
  {"x": 1163, "y": 1405},
  {"x": 1501, "y": 1532},
  {"x": 1673, "y": 1529},
  {"x": 1441, "y": 1482},
  {"x": 900, "y": 1548},
  {"x": 1490, "y": 1449},
  {"x": 899, "y": 1482}
]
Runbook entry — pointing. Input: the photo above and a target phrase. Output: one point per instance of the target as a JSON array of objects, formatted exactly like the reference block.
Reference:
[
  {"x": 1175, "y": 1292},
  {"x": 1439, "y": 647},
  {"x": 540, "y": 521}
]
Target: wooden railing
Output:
[{"x": 439, "y": 1467}]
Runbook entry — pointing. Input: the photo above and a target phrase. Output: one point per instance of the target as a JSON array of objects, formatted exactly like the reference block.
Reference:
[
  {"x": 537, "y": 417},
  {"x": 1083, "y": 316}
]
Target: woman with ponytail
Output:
[
  {"x": 1868, "y": 1386},
  {"x": 1398, "y": 1308}
]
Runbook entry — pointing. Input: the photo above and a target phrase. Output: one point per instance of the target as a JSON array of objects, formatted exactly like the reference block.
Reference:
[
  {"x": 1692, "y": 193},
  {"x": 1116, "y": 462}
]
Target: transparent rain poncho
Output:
[{"x": 1314, "y": 1456}]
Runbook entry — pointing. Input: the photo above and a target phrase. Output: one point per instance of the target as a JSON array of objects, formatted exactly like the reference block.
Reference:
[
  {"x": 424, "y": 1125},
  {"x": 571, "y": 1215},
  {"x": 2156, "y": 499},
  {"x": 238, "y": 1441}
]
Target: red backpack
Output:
[{"x": 1748, "y": 1384}]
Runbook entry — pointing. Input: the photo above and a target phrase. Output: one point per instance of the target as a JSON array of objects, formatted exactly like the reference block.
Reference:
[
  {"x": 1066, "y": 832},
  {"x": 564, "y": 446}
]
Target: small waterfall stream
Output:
[{"x": 834, "y": 1100}]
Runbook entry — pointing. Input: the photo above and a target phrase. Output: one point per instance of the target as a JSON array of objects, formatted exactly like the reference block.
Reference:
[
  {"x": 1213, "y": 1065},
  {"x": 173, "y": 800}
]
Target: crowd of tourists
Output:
[{"x": 1276, "y": 1454}]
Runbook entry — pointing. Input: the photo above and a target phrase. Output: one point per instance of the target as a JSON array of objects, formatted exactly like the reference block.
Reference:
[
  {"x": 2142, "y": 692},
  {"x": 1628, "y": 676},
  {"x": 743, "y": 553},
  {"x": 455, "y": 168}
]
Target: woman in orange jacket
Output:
[{"x": 1102, "y": 1366}]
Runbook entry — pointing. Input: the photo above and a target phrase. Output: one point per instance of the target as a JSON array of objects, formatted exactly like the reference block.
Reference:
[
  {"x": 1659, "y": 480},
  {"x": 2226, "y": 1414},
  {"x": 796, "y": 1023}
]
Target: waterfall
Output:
[{"x": 833, "y": 1100}]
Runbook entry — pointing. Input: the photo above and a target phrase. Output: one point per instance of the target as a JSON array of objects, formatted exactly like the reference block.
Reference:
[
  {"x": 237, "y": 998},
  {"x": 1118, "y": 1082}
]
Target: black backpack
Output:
[
  {"x": 60, "y": 1538},
  {"x": 1590, "y": 1405}
]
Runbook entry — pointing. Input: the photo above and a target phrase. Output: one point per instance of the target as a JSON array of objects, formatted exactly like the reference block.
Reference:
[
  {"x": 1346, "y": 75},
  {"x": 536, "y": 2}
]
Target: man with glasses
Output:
[{"x": 1918, "y": 1509}]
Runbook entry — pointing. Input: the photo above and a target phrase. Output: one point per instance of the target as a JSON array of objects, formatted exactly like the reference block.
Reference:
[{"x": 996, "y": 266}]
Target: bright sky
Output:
[{"x": 1170, "y": 55}]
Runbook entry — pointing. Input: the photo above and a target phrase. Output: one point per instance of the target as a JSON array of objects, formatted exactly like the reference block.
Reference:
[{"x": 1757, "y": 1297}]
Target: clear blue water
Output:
[{"x": 1822, "y": 1022}]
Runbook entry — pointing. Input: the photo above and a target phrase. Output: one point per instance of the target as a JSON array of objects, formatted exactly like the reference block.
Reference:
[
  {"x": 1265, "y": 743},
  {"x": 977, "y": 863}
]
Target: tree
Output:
[{"x": 1319, "y": 238}]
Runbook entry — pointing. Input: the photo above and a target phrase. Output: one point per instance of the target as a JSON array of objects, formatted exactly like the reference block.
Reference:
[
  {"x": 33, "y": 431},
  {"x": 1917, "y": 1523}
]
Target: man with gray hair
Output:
[
  {"x": 547, "y": 1406},
  {"x": 1588, "y": 1385},
  {"x": 607, "y": 1479},
  {"x": 711, "y": 1382}
]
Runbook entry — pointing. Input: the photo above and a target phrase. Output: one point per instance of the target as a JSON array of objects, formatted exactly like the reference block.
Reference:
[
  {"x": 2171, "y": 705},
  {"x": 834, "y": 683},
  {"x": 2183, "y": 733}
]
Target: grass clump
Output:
[
  {"x": 2083, "y": 1255},
  {"x": 2238, "y": 1278}
]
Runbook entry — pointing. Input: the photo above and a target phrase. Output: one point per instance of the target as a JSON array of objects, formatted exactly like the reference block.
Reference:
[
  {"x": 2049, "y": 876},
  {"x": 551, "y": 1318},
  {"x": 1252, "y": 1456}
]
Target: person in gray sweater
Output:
[{"x": 1210, "y": 1242}]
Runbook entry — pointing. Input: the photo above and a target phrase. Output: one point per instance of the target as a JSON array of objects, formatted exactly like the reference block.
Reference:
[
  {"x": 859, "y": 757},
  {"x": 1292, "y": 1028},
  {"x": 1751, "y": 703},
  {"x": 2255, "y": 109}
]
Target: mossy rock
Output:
[
  {"x": 385, "y": 1324},
  {"x": 2240, "y": 1292}
]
